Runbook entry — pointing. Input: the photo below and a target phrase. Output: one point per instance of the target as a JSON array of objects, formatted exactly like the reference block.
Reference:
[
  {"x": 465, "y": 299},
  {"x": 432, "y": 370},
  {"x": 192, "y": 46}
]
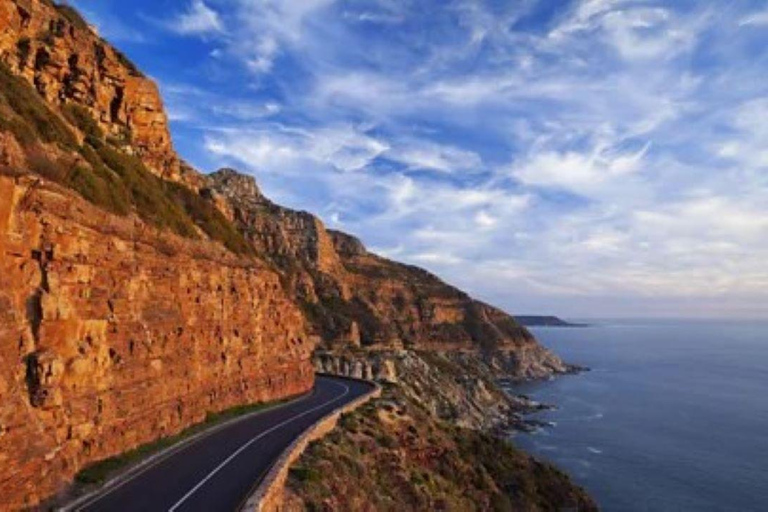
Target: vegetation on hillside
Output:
[
  {"x": 72, "y": 16},
  {"x": 100, "y": 171},
  {"x": 28, "y": 117},
  {"x": 333, "y": 315},
  {"x": 393, "y": 455}
]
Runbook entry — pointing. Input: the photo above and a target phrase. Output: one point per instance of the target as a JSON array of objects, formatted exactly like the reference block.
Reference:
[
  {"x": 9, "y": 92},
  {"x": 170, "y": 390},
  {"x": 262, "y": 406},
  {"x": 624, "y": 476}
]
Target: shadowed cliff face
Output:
[
  {"x": 352, "y": 297},
  {"x": 137, "y": 294}
]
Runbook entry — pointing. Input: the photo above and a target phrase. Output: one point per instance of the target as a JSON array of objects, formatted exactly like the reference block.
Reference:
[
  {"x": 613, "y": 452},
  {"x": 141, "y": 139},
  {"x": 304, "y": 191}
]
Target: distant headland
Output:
[{"x": 546, "y": 321}]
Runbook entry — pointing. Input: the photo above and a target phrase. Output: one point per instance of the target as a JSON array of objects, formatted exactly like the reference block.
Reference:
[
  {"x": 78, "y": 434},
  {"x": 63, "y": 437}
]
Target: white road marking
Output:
[
  {"x": 164, "y": 455},
  {"x": 249, "y": 443}
]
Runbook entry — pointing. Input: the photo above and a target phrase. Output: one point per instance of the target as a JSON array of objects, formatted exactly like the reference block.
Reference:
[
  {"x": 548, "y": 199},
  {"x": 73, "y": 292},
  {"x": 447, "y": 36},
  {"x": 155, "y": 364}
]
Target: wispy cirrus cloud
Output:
[
  {"x": 757, "y": 19},
  {"x": 532, "y": 151},
  {"x": 197, "y": 19}
]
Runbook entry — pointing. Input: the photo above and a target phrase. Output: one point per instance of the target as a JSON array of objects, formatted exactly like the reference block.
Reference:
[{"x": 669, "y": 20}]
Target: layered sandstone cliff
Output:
[
  {"x": 114, "y": 330},
  {"x": 137, "y": 294},
  {"x": 352, "y": 297},
  {"x": 54, "y": 49},
  {"x": 114, "y": 334}
]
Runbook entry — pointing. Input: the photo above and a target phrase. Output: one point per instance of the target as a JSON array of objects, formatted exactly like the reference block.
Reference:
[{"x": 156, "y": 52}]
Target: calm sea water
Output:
[{"x": 673, "y": 417}]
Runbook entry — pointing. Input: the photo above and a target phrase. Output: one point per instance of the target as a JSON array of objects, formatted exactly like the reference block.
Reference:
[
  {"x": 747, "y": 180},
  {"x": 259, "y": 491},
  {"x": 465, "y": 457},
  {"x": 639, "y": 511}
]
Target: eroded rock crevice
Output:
[
  {"x": 116, "y": 105},
  {"x": 33, "y": 378},
  {"x": 34, "y": 310},
  {"x": 104, "y": 333}
]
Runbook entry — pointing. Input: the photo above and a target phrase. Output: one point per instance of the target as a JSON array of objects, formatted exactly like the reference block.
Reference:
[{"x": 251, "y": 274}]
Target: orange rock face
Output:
[
  {"x": 113, "y": 334},
  {"x": 353, "y": 297},
  {"x": 68, "y": 62}
]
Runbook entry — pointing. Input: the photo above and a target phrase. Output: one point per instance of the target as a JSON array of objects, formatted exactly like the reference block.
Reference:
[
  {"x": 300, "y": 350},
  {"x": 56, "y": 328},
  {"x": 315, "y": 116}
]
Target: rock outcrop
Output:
[
  {"x": 137, "y": 294},
  {"x": 456, "y": 387},
  {"x": 114, "y": 334},
  {"x": 55, "y": 50},
  {"x": 354, "y": 297}
]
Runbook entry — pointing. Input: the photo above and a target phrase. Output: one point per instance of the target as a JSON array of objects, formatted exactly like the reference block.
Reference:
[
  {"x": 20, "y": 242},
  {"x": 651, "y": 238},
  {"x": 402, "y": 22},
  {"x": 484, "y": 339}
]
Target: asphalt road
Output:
[{"x": 216, "y": 472}]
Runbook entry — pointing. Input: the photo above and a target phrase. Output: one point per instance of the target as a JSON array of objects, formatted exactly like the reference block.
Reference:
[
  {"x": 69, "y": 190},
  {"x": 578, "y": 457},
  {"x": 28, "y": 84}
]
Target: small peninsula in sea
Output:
[{"x": 547, "y": 321}]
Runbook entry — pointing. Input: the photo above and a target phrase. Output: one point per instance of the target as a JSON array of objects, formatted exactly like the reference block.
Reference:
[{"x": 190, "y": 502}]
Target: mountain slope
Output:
[
  {"x": 352, "y": 297},
  {"x": 137, "y": 294}
]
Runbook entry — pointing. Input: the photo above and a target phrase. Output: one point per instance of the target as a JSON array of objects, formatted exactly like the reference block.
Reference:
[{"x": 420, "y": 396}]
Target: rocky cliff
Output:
[
  {"x": 352, "y": 297},
  {"x": 54, "y": 49},
  {"x": 348, "y": 295},
  {"x": 114, "y": 334},
  {"x": 130, "y": 308},
  {"x": 392, "y": 454},
  {"x": 137, "y": 294},
  {"x": 456, "y": 387}
]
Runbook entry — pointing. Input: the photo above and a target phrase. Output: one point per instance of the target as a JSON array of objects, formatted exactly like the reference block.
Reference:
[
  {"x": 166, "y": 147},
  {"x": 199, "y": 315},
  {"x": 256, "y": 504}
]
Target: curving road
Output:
[{"x": 217, "y": 471}]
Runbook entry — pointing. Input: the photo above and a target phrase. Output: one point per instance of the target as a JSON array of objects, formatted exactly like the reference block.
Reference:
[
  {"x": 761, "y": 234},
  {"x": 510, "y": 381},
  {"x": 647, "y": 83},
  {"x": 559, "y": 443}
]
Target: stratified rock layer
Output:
[
  {"x": 67, "y": 62},
  {"x": 353, "y": 297},
  {"x": 114, "y": 334}
]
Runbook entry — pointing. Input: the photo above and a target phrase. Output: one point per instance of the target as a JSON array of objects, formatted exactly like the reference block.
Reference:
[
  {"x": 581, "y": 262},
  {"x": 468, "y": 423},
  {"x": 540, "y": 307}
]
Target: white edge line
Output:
[
  {"x": 268, "y": 474},
  {"x": 249, "y": 443},
  {"x": 142, "y": 467}
]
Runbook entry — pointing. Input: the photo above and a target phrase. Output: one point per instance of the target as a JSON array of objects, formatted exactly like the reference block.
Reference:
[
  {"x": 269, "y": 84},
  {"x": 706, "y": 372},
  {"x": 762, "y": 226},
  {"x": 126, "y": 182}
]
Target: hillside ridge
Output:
[{"x": 138, "y": 295}]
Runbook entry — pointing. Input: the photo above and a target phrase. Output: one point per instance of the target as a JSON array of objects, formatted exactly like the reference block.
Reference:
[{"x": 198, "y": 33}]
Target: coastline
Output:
[{"x": 433, "y": 403}]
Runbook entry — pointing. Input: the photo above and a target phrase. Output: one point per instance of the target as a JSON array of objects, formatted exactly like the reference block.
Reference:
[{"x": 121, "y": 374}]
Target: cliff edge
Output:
[{"x": 138, "y": 294}]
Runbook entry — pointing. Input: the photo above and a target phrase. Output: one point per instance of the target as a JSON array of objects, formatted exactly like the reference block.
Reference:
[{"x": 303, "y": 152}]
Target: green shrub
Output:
[
  {"x": 80, "y": 117},
  {"x": 386, "y": 441},
  {"x": 147, "y": 192},
  {"x": 72, "y": 16},
  {"x": 100, "y": 186},
  {"x": 122, "y": 138},
  {"x": 24, "y": 134},
  {"x": 304, "y": 474},
  {"x": 208, "y": 218},
  {"x": 40, "y": 163},
  {"x": 31, "y": 108}
]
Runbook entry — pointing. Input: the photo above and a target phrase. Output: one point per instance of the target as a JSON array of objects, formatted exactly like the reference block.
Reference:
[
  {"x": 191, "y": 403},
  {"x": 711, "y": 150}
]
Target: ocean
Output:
[{"x": 672, "y": 417}]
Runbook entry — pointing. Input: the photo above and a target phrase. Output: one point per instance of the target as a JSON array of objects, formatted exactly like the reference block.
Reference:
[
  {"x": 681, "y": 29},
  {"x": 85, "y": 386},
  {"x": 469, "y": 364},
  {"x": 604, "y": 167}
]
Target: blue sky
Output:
[{"x": 586, "y": 158}]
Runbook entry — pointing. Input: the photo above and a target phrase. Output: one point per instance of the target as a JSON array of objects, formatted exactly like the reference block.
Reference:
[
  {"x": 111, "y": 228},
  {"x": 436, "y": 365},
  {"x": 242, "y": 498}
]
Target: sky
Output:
[{"x": 586, "y": 158}]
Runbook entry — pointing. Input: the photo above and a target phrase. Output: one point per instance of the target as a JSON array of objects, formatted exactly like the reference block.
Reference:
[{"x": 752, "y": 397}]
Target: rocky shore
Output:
[
  {"x": 138, "y": 295},
  {"x": 436, "y": 440}
]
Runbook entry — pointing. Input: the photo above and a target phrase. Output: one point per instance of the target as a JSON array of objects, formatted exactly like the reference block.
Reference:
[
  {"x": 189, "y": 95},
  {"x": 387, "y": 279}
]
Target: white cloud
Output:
[
  {"x": 436, "y": 258},
  {"x": 264, "y": 26},
  {"x": 343, "y": 147},
  {"x": 635, "y": 31},
  {"x": 757, "y": 19},
  {"x": 585, "y": 16},
  {"x": 616, "y": 153},
  {"x": 578, "y": 172},
  {"x": 646, "y": 33},
  {"x": 749, "y": 147},
  {"x": 192, "y": 104},
  {"x": 198, "y": 19},
  {"x": 721, "y": 218},
  {"x": 418, "y": 154}
]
